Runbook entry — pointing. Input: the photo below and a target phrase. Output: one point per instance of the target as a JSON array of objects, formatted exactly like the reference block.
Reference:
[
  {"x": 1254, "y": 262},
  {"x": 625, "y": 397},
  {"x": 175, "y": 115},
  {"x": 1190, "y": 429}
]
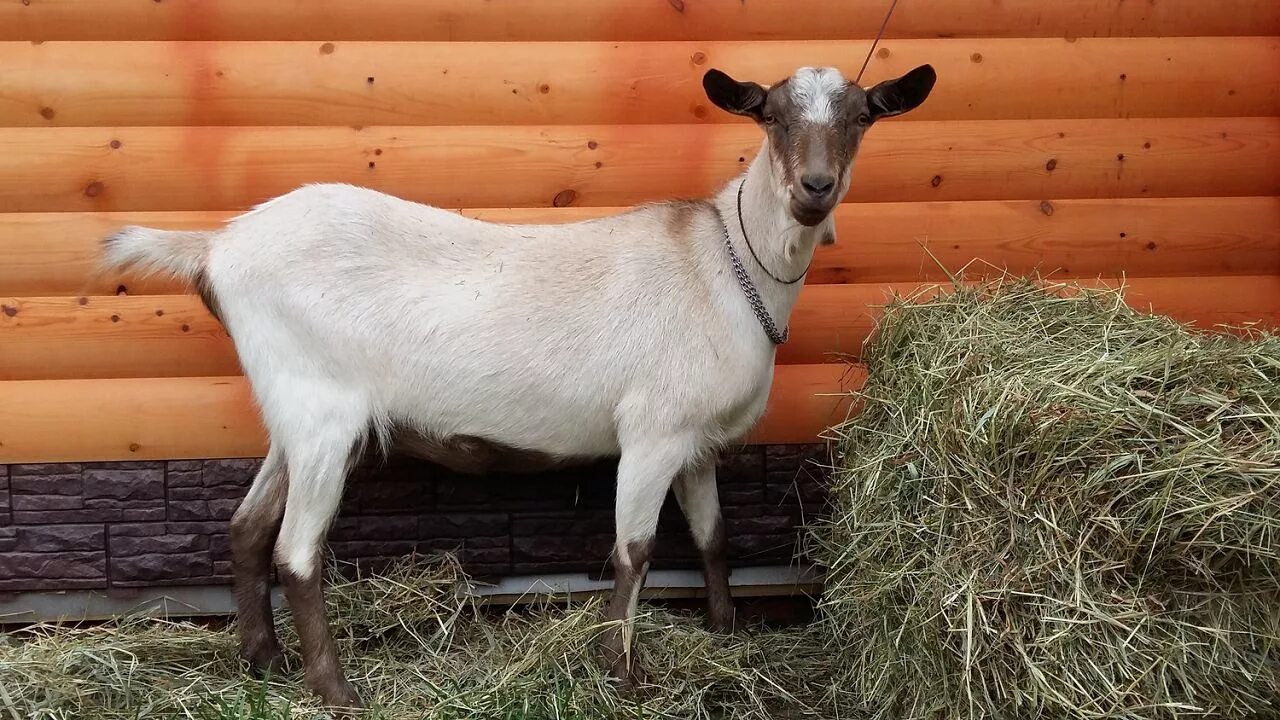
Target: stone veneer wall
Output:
[{"x": 123, "y": 525}]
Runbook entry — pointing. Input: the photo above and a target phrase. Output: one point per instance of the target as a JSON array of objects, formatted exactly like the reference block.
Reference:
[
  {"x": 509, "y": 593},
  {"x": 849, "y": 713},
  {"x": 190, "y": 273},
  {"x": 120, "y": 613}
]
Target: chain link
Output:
[{"x": 749, "y": 289}]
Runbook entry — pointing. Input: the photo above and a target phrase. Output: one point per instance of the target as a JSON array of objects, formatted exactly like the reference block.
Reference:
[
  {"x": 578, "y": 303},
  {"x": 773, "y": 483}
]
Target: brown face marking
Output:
[{"x": 814, "y": 127}]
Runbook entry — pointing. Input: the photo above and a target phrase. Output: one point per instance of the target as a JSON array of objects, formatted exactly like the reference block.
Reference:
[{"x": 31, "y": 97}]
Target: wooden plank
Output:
[
  {"x": 106, "y": 337},
  {"x": 219, "y": 168},
  {"x": 55, "y": 253},
  {"x": 212, "y": 417},
  {"x": 621, "y": 19},
  {"x": 362, "y": 83},
  {"x": 174, "y": 336}
]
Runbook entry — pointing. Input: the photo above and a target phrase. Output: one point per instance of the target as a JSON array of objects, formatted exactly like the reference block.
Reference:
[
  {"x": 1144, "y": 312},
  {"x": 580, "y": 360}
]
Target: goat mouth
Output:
[{"x": 808, "y": 215}]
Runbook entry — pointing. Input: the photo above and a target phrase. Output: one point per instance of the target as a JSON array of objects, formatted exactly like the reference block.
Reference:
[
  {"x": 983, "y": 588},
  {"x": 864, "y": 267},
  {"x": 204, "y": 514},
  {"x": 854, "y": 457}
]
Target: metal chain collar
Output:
[{"x": 749, "y": 289}]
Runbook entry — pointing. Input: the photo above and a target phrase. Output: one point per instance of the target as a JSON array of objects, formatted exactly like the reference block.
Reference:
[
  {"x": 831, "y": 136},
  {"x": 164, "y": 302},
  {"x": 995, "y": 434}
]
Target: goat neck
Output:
[{"x": 782, "y": 245}]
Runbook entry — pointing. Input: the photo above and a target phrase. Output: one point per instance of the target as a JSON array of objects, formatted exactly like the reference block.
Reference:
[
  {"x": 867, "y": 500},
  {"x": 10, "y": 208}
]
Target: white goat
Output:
[{"x": 649, "y": 336}]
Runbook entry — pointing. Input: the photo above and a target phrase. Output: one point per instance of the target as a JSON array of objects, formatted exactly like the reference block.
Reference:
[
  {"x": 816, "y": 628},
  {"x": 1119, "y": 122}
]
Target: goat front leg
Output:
[
  {"x": 645, "y": 473},
  {"x": 699, "y": 498}
]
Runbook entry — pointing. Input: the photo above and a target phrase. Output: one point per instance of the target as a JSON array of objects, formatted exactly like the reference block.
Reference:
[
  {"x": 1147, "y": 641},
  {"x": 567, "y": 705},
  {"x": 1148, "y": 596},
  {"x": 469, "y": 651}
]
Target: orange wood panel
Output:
[
  {"x": 46, "y": 254},
  {"x": 173, "y": 335},
  {"x": 621, "y": 19},
  {"x": 369, "y": 83},
  {"x": 219, "y": 168},
  {"x": 211, "y": 417}
]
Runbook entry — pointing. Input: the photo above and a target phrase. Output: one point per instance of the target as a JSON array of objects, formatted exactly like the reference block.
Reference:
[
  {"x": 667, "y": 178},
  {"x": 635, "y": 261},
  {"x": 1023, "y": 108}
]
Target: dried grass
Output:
[
  {"x": 1054, "y": 506},
  {"x": 417, "y": 648}
]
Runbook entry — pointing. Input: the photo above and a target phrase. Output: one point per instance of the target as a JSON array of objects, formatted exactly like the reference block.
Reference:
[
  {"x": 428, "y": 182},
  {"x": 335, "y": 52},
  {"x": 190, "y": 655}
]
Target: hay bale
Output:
[{"x": 1054, "y": 506}]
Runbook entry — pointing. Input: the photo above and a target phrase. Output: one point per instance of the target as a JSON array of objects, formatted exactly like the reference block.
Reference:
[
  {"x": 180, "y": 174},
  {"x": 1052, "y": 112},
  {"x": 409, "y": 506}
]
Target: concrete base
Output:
[{"x": 216, "y": 600}]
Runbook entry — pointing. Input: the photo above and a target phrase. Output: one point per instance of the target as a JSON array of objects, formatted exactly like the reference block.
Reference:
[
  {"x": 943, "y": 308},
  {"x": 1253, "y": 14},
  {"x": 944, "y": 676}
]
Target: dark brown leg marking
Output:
[
  {"x": 324, "y": 674},
  {"x": 254, "y": 528},
  {"x": 715, "y": 568},
  {"x": 627, "y": 582}
]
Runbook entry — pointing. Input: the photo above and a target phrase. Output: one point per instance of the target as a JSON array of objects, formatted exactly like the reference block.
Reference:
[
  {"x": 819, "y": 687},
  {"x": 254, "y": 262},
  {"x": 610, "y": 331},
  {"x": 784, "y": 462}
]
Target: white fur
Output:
[
  {"x": 354, "y": 311},
  {"x": 816, "y": 91}
]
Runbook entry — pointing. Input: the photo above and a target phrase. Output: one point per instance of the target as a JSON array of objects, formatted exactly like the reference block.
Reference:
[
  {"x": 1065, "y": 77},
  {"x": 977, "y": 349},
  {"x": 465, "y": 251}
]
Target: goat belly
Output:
[{"x": 474, "y": 455}]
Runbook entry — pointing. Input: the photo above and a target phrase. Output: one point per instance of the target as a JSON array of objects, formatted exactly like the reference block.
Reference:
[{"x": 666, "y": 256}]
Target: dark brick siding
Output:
[{"x": 138, "y": 524}]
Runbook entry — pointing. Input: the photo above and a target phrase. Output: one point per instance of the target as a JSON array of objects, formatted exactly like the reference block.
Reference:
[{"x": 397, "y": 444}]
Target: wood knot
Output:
[
  {"x": 1124, "y": 76},
  {"x": 159, "y": 313},
  {"x": 677, "y": 4},
  {"x": 369, "y": 79},
  {"x": 83, "y": 301},
  {"x": 9, "y": 310},
  {"x": 699, "y": 58},
  {"x": 93, "y": 189},
  {"x": 115, "y": 144},
  {"x": 1046, "y": 207},
  {"x": 1053, "y": 163},
  {"x": 135, "y": 447},
  {"x": 186, "y": 328},
  {"x": 976, "y": 57},
  {"x": 936, "y": 181},
  {"x": 1151, "y": 246},
  {"x": 592, "y": 144},
  {"x": 1120, "y": 157},
  {"x": 1146, "y": 146},
  {"x": 47, "y": 113},
  {"x": 882, "y": 53},
  {"x": 326, "y": 49},
  {"x": 564, "y": 198},
  {"x": 377, "y": 151},
  {"x": 1124, "y": 235},
  {"x": 122, "y": 290},
  {"x": 699, "y": 111},
  {"x": 599, "y": 164},
  {"x": 544, "y": 88},
  {"x": 115, "y": 318}
]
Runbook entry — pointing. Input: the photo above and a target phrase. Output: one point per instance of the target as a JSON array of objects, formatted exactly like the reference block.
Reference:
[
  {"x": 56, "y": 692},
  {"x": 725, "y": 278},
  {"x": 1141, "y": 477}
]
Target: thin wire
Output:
[
  {"x": 766, "y": 270},
  {"x": 875, "y": 42}
]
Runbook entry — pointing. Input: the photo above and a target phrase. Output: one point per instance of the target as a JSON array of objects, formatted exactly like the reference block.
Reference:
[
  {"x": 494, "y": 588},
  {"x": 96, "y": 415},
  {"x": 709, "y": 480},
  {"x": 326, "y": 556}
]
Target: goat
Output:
[{"x": 364, "y": 318}]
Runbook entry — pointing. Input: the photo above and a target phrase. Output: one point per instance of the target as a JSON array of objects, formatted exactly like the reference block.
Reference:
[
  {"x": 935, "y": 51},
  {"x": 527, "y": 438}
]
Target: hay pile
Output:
[
  {"x": 416, "y": 648},
  {"x": 1054, "y": 506}
]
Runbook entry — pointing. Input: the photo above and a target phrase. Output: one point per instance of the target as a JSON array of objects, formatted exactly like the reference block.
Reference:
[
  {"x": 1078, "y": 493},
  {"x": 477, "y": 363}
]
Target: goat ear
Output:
[
  {"x": 739, "y": 98},
  {"x": 894, "y": 97}
]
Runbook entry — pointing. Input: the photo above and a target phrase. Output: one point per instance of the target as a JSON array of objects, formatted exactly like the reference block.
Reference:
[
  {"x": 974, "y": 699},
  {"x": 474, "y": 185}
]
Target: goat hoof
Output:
[
  {"x": 264, "y": 660},
  {"x": 632, "y": 675},
  {"x": 337, "y": 694}
]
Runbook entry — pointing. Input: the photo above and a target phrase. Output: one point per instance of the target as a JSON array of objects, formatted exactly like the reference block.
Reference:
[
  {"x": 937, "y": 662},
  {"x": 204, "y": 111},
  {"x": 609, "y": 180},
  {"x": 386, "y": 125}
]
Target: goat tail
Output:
[{"x": 181, "y": 253}]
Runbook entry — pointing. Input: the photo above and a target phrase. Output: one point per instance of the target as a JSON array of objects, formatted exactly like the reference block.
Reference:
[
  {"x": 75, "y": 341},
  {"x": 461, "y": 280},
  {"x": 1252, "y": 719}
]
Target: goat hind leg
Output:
[
  {"x": 699, "y": 498},
  {"x": 254, "y": 528},
  {"x": 318, "y": 466}
]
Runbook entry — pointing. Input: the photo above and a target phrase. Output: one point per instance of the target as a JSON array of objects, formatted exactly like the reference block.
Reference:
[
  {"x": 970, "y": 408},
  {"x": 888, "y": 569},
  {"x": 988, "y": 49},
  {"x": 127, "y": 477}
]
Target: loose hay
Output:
[
  {"x": 417, "y": 648},
  {"x": 1054, "y": 506}
]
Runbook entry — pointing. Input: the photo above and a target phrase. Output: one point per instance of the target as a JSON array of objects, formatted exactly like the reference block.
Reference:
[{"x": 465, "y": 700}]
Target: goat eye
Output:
[
  {"x": 864, "y": 120},
  {"x": 770, "y": 120}
]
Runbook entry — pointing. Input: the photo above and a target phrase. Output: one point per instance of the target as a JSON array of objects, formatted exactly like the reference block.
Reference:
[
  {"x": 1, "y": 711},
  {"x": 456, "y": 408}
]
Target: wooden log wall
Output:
[{"x": 1102, "y": 140}]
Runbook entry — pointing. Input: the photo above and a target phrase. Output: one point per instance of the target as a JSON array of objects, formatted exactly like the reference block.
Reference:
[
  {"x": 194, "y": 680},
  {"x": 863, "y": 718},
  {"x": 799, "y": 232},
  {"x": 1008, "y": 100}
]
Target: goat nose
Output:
[{"x": 817, "y": 185}]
